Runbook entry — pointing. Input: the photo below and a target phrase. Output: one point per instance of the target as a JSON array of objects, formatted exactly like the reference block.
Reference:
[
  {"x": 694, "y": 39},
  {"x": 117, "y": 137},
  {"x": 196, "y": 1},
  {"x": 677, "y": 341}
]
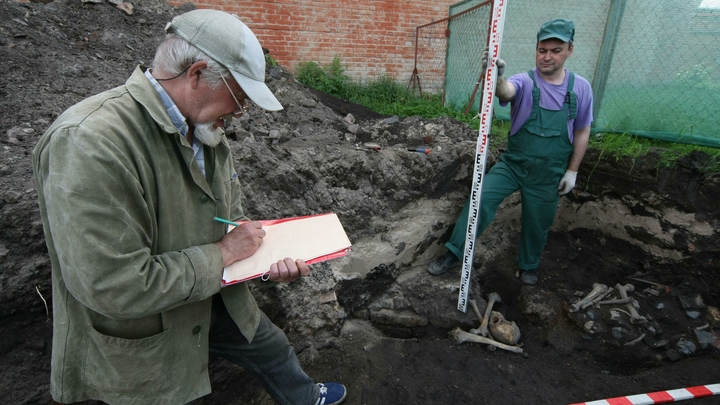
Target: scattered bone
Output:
[
  {"x": 461, "y": 337},
  {"x": 502, "y": 330},
  {"x": 614, "y": 313},
  {"x": 597, "y": 290},
  {"x": 616, "y": 301},
  {"x": 657, "y": 286},
  {"x": 492, "y": 299},
  {"x": 635, "y": 317},
  {"x": 632, "y": 342},
  {"x": 598, "y": 299},
  {"x": 589, "y": 326},
  {"x": 475, "y": 309}
]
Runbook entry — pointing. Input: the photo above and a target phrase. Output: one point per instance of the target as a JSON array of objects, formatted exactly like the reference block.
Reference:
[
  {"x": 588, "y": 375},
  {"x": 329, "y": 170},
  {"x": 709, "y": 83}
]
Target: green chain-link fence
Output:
[
  {"x": 654, "y": 64},
  {"x": 446, "y": 58}
]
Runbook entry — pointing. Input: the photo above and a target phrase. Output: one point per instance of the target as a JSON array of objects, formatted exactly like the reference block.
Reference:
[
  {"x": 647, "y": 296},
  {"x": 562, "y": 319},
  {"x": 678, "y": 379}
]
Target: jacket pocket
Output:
[{"x": 135, "y": 366}]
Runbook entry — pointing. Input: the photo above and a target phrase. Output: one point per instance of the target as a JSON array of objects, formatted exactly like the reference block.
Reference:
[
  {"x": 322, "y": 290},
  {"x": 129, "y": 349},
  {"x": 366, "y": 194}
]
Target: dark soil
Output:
[{"x": 386, "y": 334}]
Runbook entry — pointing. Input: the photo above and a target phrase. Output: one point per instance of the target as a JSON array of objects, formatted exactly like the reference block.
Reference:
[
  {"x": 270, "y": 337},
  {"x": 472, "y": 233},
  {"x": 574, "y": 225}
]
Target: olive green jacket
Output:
[{"x": 128, "y": 220}]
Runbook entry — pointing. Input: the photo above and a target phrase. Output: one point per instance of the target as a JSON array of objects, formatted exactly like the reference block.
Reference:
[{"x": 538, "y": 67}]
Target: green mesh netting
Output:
[{"x": 654, "y": 64}]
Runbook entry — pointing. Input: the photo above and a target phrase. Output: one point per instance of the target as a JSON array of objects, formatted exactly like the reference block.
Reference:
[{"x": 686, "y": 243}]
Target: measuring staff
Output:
[{"x": 550, "y": 114}]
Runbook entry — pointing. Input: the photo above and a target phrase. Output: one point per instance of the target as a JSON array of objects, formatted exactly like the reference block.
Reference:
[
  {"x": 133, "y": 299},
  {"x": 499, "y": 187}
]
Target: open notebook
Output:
[{"x": 313, "y": 238}]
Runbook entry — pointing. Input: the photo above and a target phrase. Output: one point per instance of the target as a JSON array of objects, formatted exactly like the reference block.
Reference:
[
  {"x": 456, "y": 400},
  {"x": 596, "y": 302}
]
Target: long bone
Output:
[
  {"x": 616, "y": 301},
  {"x": 597, "y": 290},
  {"x": 635, "y": 317},
  {"x": 461, "y": 336},
  {"x": 597, "y": 299},
  {"x": 475, "y": 308},
  {"x": 493, "y": 297}
]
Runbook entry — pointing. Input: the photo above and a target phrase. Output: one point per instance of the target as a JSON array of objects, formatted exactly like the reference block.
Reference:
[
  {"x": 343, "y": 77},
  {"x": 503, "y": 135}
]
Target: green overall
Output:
[{"x": 534, "y": 162}]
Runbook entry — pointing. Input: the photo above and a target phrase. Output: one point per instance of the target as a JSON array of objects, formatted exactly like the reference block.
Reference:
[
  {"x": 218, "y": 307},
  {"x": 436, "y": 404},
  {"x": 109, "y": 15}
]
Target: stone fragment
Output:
[
  {"x": 391, "y": 120},
  {"x": 350, "y": 119},
  {"x": 692, "y": 302},
  {"x": 538, "y": 305},
  {"x": 18, "y": 133},
  {"x": 713, "y": 316},
  {"x": 621, "y": 334},
  {"x": 328, "y": 296},
  {"x": 704, "y": 339},
  {"x": 309, "y": 103},
  {"x": 685, "y": 347},
  {"x": 673, "y": 355},
  {"x": 12, "y": 196}
]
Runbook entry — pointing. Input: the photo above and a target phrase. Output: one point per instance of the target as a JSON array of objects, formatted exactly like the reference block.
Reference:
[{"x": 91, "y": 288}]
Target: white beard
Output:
[{"x": 207, "y": 135}]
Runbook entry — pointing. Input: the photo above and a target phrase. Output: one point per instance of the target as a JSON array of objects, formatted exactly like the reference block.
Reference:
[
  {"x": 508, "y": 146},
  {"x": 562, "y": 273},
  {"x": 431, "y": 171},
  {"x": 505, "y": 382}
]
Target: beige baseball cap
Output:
[{"x": 231, "y": 43}]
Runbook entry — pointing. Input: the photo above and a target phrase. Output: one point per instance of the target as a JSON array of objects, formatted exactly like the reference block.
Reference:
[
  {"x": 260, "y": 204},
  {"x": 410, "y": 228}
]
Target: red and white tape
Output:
[
  {"x": 496, "y": 29},
  {"x": 660, "y": 397}
]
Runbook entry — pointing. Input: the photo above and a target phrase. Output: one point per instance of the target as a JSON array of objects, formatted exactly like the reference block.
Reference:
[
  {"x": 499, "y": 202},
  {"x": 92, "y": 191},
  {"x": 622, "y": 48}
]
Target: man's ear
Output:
[{"x": 194, "y": 72}]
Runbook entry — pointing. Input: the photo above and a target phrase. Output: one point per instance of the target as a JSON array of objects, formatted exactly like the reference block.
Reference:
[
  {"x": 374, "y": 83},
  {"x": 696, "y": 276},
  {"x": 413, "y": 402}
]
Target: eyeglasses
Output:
[{"x": 242, "y": 107}]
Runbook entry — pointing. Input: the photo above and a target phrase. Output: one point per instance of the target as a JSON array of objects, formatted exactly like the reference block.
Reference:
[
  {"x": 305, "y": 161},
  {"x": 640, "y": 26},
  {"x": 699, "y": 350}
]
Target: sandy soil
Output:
[{"x": 376, "y": 320}]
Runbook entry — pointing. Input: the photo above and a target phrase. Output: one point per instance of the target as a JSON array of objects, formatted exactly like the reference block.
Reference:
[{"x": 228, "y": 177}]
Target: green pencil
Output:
[{"x": 225, "y": 221}]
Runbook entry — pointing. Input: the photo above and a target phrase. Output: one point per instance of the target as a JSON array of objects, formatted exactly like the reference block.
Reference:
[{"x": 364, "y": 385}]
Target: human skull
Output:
[{"x": 502, "y": 330}]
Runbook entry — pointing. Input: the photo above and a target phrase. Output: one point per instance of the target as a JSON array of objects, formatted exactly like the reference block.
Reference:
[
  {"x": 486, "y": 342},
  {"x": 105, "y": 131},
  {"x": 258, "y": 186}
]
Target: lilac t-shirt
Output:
[{"x": 552, "y": 97}]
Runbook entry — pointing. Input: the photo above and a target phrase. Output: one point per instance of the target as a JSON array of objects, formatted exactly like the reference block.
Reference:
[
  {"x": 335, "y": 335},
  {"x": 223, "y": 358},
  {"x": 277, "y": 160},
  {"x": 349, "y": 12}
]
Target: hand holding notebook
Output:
[{"x": 313, "y": 239}]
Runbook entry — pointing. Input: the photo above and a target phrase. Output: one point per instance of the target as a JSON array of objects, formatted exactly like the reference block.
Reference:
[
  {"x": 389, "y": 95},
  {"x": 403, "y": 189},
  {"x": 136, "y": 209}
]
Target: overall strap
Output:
[
  {"x": 535, "y": 96},
  {"x": 571, "y": 97}
]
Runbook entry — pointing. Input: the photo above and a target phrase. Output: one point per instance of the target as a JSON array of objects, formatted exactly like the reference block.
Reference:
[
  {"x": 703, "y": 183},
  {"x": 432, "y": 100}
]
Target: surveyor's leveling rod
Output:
[{"x": 496, "y": 30}]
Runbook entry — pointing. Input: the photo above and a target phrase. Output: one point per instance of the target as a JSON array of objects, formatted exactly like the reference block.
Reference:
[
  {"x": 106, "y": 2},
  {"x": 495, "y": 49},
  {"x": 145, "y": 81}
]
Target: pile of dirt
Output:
[{"x": 375, "y": 320}]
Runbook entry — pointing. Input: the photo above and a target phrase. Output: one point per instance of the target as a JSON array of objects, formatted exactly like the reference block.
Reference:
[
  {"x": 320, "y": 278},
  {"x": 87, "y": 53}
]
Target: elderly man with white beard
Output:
[{"x": 129, "y": 182}]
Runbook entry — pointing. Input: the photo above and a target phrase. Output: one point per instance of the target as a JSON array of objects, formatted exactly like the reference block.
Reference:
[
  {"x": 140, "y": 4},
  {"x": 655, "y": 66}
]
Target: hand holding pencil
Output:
[
  {"x": 245, "y": 239},
  {"x": 241, "y": 242}
]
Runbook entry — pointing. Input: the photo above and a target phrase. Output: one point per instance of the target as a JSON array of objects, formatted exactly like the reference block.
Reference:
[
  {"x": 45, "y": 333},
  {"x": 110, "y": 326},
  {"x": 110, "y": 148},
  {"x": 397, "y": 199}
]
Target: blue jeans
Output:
[{"x": 269, "y": 357}]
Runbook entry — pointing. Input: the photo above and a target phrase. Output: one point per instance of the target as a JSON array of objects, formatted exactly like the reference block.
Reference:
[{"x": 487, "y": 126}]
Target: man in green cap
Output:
[
  {"x": 550, "y": 114},
  {"x": 129, "y": 182}
]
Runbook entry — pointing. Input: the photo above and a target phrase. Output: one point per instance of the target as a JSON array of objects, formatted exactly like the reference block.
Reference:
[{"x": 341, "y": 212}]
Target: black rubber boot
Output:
[{"x": 443, "y": 263}]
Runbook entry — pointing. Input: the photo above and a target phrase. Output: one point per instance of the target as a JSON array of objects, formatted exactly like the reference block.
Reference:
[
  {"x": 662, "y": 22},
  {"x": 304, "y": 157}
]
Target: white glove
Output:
[
  {"x": 500, "y": 63},
  {"x": 567, "y": 183}
]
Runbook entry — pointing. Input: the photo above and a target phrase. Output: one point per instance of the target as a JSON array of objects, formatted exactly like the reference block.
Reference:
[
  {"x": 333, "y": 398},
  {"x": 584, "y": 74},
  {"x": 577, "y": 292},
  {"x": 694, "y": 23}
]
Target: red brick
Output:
[{"x": 363, "y": 33}]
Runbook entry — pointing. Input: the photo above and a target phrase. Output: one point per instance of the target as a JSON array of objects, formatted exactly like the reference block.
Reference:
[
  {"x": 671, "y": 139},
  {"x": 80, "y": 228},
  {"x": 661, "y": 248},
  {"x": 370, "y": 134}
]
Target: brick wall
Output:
[{"x": 371, "y": 37}]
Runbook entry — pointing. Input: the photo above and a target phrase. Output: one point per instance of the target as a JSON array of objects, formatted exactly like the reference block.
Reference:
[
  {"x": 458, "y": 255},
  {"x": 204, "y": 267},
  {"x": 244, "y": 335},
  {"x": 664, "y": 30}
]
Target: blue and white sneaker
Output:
[{"x": 331, "y": 393}]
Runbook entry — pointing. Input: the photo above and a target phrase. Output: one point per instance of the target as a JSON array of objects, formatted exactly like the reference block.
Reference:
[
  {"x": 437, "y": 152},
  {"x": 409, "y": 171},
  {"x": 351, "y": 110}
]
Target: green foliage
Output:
[
  {"x": 619, "y": 145},
  {"x": 616, "y": 146},
  {"x": 330, "y": 79},
  {"x": 388, "y": 97},
  {"x": 383, "y": 95},
  {"x": 270, "y": 61}
]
